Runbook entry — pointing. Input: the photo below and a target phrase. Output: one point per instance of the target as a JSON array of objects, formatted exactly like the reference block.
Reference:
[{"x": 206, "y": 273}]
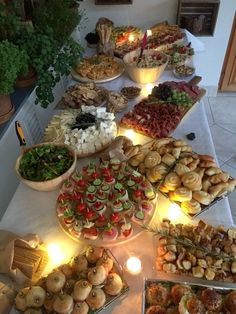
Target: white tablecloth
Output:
[{"x": 32, "y": 211}]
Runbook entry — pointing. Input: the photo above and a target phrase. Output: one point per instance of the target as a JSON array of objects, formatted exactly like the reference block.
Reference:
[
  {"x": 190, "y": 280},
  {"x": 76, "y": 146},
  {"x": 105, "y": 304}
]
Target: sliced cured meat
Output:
[{"x": 154, "y": 120}]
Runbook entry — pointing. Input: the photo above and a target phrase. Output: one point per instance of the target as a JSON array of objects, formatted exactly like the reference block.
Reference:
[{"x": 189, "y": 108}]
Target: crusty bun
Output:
[
  {"x": 82, "y": 289},
  {"x": 97, "y": 275},
  {"x": 33, "y": 311},
  {"x": 63, "y": 304},
  {"x": 79, "y": 263},
  {"x": 96, "y": 298},
  {"x": 20, "y": 300},
  {"x": 93, "y": 253},
  {"x": 113, "y": 284},
  {"x": 35, "y": 297},
  {"x": 106, "y": 262},
  {"x": 80, "y": 308},
  {"x": 55, "y": 281}
]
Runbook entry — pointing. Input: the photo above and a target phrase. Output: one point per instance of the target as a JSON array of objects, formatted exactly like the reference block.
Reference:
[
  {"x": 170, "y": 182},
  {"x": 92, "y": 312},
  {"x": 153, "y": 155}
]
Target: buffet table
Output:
[{"x": 34, "y": 212}]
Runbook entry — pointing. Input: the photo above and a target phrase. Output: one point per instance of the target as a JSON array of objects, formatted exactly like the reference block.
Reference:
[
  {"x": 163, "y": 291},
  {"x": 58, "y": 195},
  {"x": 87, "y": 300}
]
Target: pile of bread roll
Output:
[
  {"x": 203, "y": 251},
  {"x": 190, "y": 179},
  {"x": 84, "y": 284}
]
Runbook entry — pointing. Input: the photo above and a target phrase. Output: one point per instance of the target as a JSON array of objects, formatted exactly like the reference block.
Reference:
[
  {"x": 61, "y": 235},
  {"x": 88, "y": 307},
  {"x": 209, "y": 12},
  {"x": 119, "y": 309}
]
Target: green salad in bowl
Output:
[{"x": 44, "y": 166}]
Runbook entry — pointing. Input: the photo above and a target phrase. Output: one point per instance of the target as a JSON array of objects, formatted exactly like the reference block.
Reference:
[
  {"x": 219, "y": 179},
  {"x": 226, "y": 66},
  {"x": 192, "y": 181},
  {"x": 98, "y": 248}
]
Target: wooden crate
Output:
[
  {"x": 104, "y": 2},
  {"x": 198, "y": 16}
]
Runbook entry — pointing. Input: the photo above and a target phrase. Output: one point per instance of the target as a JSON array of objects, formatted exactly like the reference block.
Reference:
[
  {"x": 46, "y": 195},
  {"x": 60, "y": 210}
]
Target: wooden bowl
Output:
[{"x": 52, "y": 184}]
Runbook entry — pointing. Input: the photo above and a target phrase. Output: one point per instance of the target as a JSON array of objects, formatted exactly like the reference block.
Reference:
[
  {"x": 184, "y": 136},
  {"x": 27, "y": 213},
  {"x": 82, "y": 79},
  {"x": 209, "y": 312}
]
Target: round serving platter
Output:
[{"x": 76, "y": 76}]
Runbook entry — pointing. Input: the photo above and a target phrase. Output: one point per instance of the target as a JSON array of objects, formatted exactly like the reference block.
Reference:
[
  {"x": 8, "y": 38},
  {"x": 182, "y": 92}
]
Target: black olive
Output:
[{"x": 191, "y": 136}]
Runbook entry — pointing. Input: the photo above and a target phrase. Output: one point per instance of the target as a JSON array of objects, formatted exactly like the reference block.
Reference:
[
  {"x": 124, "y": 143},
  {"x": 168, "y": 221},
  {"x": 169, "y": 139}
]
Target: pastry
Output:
[
  {"x": 63, "y": 304},
  {"x": 186, "y": 160},
  {"x": 191, "y": 207},
  {"x": 82, "y": 289},
  {"x": 191, "y": 305},
  {"x": 206, "y": 157},
  {"x": 80, "y": 308},
  {"x": 181, "y": 194},
  {"x": 202, "y": 197},
  {"x": 33, "y": 311},
  {"x": 96, "y": 298},
  {"x": 178, "y": 291},
  {"x": 176, "y": 152},
  {"x": 213, "y": 170},
  {"x": 181, "y": 169},
  {"x": 207, "y": 164},
  {"x": 156, "y": 294},
  {"x": 55, "y": 281},
  {"x": 230, "y": 302},
  {"x": 113, "y": 284},
  {"x": 218, "y": 189},
  {"x": 220, "y": 177},
  {"x": 155, "y": 309},
  {"x": 172, "y": 181},
  {"x": 156, "y": 173},
  {"x": 97, "y": 275},
  {"x": 168, "y": 159},
  {"x": 193, "y": 165},
  {"x": 35, "y": 297},
  {"x": 206, "y": 184},
  {"x": 152, "y": 159},
  {"x": 212, "y": 300},
  {"x": 192, "y": 181}
]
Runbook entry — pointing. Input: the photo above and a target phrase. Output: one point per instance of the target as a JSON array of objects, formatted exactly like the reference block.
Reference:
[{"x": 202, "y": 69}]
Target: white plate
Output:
[{"x": 80, "y": 78}]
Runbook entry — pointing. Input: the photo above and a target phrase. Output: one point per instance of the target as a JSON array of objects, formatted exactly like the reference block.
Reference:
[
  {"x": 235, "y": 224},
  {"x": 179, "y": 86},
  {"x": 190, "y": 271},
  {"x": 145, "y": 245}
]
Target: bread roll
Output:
[
  {"x": 172, "y": 181},
  {"x": 202, "y": 197},
  {"x": 181, "y": 194},
  {"x": 192, "y": 180}
]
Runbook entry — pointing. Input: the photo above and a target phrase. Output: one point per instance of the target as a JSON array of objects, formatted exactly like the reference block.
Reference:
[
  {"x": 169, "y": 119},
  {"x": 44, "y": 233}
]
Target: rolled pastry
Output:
[
  {"x": 193, "y": 165},
  {"x": 176, "y": 152},
  {"x": 202, "y": 197},
  {"x": 181, "y": 169},
  {"x": 152, "y": 159},
  {"x": 213, "y": 170},
  {"x": 156, "y": 173},
  {"x": 168, "y": 159},
  {"x": 192, "y": 180},
  {"x": 207, "y": 164},
  {"x": 191, "y": 207},
  {"x": 218, "y": 189},
  {"x": 181, "y": 194},
  {"x": 172, "y": 181},
  {"x": 206, "y": 184},
  {"x": 179, "y": 143},
  {"x": 220, "y": 177}
]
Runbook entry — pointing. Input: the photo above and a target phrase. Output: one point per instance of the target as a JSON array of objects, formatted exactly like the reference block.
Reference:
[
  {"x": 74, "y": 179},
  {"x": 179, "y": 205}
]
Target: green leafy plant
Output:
[
  {"x": 13, "y": 61},
  {"x": 50, "y": 57},
  {"x": 62, "y": 16}
]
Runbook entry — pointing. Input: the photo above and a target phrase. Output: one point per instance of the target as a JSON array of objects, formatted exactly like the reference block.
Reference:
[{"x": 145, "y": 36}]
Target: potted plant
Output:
[
  {"x": 49, "y": 60},
  {"x": 13, "y": 61}
]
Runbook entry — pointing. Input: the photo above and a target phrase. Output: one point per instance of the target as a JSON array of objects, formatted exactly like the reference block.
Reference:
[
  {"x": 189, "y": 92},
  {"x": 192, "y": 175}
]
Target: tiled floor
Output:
[{"x": 221, "y": 114}]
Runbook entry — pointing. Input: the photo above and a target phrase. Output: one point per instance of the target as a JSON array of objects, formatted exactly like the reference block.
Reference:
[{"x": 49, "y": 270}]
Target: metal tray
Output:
[{"x": 196, "y": 285}]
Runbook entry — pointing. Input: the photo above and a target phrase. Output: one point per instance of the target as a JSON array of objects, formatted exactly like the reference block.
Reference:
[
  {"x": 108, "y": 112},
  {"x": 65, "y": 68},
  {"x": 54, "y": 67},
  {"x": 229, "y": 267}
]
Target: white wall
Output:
[{"x": 146, "y": 13}]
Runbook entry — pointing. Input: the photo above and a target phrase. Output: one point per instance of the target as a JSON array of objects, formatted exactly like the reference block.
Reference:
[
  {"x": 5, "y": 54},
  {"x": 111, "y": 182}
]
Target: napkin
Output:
[{"x": 21, "y": 258}]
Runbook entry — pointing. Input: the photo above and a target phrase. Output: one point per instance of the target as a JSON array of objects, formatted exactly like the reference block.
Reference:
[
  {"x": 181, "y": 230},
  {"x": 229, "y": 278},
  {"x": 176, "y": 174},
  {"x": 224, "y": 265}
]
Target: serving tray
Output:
[{"x": 196, "y": 286}]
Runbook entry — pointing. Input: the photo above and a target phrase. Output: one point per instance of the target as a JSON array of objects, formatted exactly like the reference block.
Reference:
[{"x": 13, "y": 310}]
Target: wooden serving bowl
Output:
[{"x": 52, "y": 184}]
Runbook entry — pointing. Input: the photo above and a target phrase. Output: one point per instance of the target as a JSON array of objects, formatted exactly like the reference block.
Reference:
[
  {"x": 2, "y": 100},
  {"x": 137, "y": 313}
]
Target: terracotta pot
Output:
[
  {"x": 6, "y": 108},
  {"x": 27, "y": 80}
]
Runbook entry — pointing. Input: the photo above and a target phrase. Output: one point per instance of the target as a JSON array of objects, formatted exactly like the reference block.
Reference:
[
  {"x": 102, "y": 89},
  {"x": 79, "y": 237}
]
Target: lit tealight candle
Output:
[
  {"x": 130, "y": 134},
  {"x": 131, "y": 38},
  {"x": 55, "y": 254},
  {"x": 134, "y": 265},
  {"x": 149, "y": 32},
  {"x": 174, "y": 212}
]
